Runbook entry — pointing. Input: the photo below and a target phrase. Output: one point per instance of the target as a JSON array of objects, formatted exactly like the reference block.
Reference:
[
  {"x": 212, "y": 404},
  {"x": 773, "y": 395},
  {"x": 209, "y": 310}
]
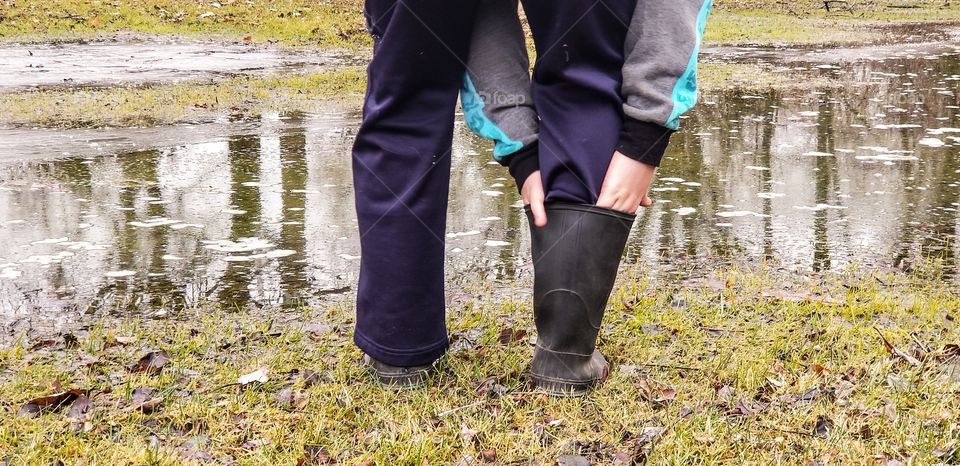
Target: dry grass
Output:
[{"x": 739, "y": 367}]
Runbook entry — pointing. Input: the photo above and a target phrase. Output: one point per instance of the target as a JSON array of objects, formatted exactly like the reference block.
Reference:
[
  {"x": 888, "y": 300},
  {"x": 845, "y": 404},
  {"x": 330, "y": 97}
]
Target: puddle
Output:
[
  {"x": 261, "y": 212},
  {"x": 27, "y": 66}
]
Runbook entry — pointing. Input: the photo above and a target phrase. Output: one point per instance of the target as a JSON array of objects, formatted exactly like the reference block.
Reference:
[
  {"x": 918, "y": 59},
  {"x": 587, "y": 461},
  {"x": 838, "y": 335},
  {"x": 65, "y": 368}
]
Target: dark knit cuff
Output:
[
  {"x": 643, "y": 141},
  {"x": 524, "y": 163}
]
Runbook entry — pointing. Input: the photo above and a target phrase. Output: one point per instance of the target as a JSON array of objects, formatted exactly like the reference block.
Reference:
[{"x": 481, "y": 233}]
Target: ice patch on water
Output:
[
  {"x": 84, "y": 246},
  {"x": 242, "y": 245},
  {"x": 756, "y": 168},
  {"x": 463, "y": 233},
  {"x": 939, "y": 131},
  {"x": 900, "y": 126},
  {"x": 154, "y": 222},
  {"x": 181, "y": 226},
  {"x": 770, "y": 195},
  {"x": 490, "y": 219},
  {"x": 683, "y": 211},
  {"x": 491, "y": 193},
  {"x": 740, "y": 213},
  {"x": 348, "y": 257},
  {"x": 234, "y": 211},
  {"x": 809, "y": 114},
  {"x": 120, "y": 274},
  {"x": 496, "y": 244},
  {"x": 672, "y": 180},
  {"x": 819, "y": 207},
  {"x": 46, "y": 259},
  {"x": 888, "y": 157},
  {"x": 931, "y": 142},
  {"x": 10, "y": 273},
  {"x": 171, "y": 257},
  {"x": 51, "y": 241},
  {"x": 818, "y": 154}
]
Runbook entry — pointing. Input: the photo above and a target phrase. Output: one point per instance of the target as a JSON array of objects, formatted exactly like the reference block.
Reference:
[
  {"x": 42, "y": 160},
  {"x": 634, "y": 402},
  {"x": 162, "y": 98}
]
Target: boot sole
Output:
[
  {"x": 399, "y": 382},
  {"x": 563, "y": 388},
  {"x": 405, "y": 382}
]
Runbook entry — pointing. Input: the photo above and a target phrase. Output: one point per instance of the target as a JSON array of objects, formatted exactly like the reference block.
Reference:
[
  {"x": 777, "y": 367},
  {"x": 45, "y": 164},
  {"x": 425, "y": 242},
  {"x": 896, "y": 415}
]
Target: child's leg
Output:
[
  {"x": 496, "y": 98},
  {"x": 576, "y": 254},
  {"x": 576, "y": 90},
  {"x": 401, "y": 169}
]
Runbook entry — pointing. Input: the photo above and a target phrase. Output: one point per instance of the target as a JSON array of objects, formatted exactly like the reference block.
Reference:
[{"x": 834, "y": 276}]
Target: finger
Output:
[
  {"x": 646, "y": 202},
  {"x": 539, "y": 212},
  {"x": 625, "y": 205},
  {"x": 606, "y": 201}
]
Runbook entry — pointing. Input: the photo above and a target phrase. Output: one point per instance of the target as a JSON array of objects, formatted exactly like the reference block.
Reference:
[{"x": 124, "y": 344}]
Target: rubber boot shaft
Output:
[{"x": 576, "y": 257}]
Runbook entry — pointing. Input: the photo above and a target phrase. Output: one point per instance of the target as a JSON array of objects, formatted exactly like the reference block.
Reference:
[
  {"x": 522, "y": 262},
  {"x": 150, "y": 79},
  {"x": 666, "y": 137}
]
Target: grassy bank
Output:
[
  {"x": 340, "y": 24},
  {"x": 252, "y": 96},
  {"x": 739, "y": 367},
  {"x": 183, "y": 102}
]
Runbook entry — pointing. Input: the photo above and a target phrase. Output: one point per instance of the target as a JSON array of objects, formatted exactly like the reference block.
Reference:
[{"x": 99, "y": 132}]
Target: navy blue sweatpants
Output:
[{"x": 401, "y": 157}]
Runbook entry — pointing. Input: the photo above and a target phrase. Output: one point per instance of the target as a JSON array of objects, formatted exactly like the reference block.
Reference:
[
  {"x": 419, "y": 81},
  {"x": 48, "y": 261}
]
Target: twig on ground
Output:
[{"x": 451, "y": 411}]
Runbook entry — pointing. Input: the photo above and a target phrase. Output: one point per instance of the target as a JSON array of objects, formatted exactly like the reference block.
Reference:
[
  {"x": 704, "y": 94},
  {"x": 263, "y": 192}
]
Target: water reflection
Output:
[{"x": 260, "y": 213}]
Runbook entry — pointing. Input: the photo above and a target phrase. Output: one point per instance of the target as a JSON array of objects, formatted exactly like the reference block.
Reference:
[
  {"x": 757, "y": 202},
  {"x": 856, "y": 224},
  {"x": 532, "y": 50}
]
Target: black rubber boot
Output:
[
  {"x": 575, "y": 261},
  {"x": 399, "y": 378}
]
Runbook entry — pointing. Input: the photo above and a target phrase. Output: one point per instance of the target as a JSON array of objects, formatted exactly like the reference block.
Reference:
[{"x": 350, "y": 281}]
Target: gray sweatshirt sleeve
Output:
[
  {"x": 495, "y": 95},
  {"x": 660, "y": 73}
]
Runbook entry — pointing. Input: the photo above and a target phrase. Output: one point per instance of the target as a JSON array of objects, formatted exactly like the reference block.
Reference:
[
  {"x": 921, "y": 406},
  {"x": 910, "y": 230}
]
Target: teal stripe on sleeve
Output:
[
  {"x": 479, "y": 123},
  {"x": 685, "y": 91}
]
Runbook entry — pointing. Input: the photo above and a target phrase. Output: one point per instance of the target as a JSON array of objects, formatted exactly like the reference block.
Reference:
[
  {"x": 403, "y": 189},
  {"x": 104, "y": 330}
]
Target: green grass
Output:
[
  {"x": 167, "y": 104},
  {"x": 329, "y": 24},
  {"x": 756, "y": 360},
  {"x": 183, "y": 102},
  {"x": 340, "y": 24}
]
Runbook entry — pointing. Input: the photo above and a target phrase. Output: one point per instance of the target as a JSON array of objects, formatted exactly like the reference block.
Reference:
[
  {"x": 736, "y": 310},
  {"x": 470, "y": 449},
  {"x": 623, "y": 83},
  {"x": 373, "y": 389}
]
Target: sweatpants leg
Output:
[
  {"x": 576, "y": 91},
  {"x": 401, "y": 170}
]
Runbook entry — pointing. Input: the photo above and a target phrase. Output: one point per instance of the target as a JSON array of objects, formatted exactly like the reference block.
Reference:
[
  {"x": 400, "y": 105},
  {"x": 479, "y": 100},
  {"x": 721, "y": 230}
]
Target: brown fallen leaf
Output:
[
  {"x": 152, "y": 363},
  {"x": 896, "y": 351},
  {"x": 49, "y": 403},
  {"x": 315, "y": 454},
  {"x": 310, "y": 378},
  {"x": 143, "y": 400},
  {"x": 818, "y": 369},
  {"x": 81, "y": 406},
  {"x": 45, "y": 343},
  {"x": 655, "y": 392},
  {"x": 510, "y": 335},
  {"x": 489, "y": 455},
  {"x": 822, "y": 427}
]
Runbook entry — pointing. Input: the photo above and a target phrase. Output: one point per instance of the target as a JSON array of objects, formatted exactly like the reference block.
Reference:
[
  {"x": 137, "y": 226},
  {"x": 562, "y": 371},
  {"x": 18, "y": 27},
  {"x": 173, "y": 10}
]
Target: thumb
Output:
[
  {"x": 539, "y": 212},
  {"x": 646, "y": 202}
]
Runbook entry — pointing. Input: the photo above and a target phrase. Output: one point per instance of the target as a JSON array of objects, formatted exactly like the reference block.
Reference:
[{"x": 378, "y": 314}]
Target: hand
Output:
[
  {"x": 532, "y": 194},
  {"x": 626, "y": 185}
]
